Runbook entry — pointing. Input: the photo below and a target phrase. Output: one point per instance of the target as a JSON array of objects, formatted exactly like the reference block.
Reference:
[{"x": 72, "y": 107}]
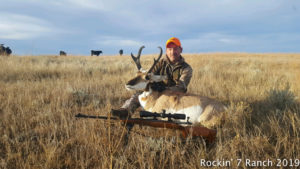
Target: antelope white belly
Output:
[{"x": 192, "y": 113}]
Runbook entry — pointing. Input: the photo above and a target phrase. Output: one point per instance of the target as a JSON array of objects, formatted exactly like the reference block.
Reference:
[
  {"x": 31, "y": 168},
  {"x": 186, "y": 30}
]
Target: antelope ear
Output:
[{"x": 148, "y": 77}]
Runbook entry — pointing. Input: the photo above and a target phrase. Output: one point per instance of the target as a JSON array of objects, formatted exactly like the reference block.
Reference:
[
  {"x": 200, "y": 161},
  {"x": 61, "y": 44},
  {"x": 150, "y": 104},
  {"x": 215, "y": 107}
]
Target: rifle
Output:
[{"x": 186, "y": 127}]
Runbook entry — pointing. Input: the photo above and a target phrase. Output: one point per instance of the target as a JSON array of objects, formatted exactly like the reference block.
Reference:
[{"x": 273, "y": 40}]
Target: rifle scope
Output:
[{"x": 162, "y": 115}]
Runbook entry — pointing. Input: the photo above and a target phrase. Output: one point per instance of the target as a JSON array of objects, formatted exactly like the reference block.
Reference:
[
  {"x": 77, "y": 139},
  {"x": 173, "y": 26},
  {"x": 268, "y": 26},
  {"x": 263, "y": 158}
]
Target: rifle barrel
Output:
[
  {"x": 79, "y": 115},
  {"x": 130, "y": 120}
]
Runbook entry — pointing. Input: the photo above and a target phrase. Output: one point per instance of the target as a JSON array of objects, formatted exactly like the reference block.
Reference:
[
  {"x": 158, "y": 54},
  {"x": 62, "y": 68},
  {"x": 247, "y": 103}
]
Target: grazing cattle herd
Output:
[{"x": 6, "y": 51}]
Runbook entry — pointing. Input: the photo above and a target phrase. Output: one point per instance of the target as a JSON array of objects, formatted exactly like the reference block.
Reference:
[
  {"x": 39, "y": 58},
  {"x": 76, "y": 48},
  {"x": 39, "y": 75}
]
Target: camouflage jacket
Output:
[{"x": 179, "y": 74}]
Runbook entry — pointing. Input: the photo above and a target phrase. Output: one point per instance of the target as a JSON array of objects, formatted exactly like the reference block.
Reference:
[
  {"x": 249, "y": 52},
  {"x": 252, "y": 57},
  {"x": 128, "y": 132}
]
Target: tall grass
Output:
[{"x": 39, "y": 96}]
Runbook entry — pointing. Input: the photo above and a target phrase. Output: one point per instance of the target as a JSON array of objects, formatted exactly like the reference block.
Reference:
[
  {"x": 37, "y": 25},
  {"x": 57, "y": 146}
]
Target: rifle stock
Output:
[
  {"x": 194, "y": 131},
  {"x": 199, "y": 131},
  {"x": 187, "y": 130}
]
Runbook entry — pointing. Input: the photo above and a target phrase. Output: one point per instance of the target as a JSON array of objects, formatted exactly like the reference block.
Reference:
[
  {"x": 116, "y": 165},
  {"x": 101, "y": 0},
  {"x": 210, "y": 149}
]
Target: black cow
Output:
[
  {"x": 62, "y": 53},
  {"x": 8, "y": 51},
  {"x": 96, "y": 52},
  {"x": 121, "y": 52},
  {"x": 5, "y": 50}
]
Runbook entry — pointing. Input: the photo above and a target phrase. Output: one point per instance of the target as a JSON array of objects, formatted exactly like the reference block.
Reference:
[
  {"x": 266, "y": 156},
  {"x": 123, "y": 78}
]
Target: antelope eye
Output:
[{"x": 147, "y": 77}]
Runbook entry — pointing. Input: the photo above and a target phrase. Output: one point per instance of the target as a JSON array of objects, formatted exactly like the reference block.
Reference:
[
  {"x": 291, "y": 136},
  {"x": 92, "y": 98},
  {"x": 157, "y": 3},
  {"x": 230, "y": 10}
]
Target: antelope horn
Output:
[
  {"x": 156, "y": 60},
  {"x": 137, "y": 59}
]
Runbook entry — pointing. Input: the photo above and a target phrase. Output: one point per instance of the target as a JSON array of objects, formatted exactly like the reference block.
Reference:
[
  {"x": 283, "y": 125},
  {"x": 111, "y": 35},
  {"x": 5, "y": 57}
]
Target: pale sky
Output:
[{"x": 41, "y": 27}]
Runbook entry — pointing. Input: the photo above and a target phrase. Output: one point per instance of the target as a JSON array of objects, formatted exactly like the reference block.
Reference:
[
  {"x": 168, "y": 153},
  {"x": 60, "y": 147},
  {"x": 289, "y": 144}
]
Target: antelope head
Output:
[{"x": 143, "y": 77}]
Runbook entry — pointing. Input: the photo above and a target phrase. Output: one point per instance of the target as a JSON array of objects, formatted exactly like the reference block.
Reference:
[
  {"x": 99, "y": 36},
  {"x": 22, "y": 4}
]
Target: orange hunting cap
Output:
[{"x": 174, "y": 40}]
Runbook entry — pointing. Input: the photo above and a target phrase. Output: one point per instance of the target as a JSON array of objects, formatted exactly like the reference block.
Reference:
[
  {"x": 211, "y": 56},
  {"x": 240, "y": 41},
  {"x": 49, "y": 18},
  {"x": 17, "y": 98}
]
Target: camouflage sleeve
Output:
[{"x": 184, "y": 80}]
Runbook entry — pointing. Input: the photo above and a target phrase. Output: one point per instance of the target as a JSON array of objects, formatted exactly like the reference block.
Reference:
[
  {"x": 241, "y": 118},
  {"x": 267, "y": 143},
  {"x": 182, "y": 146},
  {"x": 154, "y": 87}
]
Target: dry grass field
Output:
[{"x": 39, "y": 96}]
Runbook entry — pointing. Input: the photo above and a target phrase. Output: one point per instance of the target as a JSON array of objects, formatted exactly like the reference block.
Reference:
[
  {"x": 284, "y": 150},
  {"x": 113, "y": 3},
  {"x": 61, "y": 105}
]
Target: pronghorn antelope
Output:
[{"x": 198, "y": 109}]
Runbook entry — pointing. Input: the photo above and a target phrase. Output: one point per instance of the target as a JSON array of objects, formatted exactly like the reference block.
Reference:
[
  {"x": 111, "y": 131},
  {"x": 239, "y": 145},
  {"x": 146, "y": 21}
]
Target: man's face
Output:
[{"x": 173, "y": 52}]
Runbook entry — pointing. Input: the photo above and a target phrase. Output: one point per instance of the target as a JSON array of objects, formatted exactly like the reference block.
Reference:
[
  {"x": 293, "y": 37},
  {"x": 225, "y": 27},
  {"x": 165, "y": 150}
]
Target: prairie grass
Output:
[{"x": 39, "y": 96}]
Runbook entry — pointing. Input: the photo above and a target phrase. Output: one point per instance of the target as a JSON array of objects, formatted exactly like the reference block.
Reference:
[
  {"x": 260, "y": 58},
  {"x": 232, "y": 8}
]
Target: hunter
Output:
[{"x": 173, "y": 65}]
